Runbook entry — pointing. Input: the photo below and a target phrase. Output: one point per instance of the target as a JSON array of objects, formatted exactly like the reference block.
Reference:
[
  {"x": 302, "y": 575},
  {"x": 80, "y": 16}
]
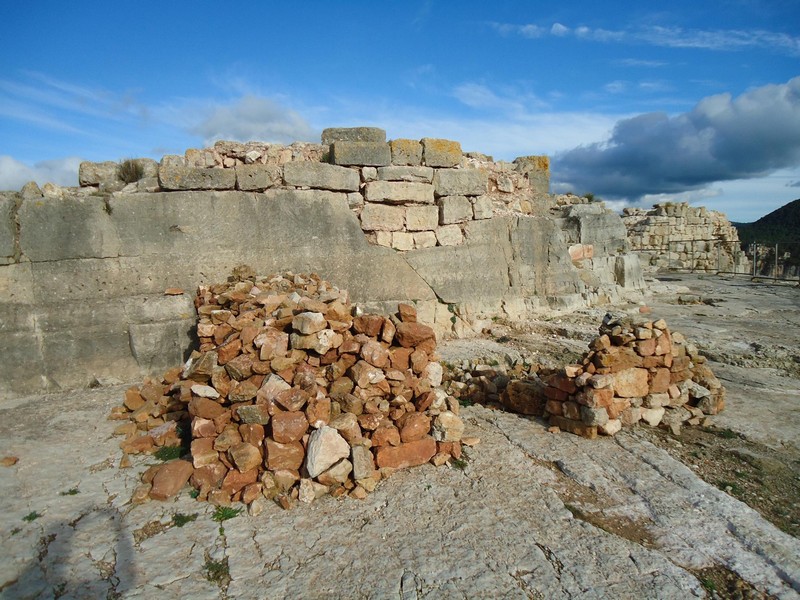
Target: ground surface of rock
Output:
[{"x": 530, "y": 515}]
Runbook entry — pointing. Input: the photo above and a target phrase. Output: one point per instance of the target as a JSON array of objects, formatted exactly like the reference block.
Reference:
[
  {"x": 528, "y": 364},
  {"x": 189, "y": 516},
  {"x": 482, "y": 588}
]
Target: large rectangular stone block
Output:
[
  {"x": 257, "y": 177},
  {"x": 8, "y": 229},
  {"x": 321, "y": 176},
  {"x": 190, "y": 178},
  {"x": 460, "y": 182},
  {"x": 399, "y": 192},
  {"x": 405, "y": 173},
  {"x": 353, "y": 134},
  {"x": 454, "y": 209},
  {"x": 482, "y": 208},
  {"x": 422, "y": 218},
  {"x": 440, "y": 153},
  {"x": 379, "y": 217},
  {"x": 406, "y": 152},
  {"x": 73, "y": 227},
  {"x": 95, "y": 173},
  {"x": 537, "y": 170},
  {"x": 363, "y": 154}
]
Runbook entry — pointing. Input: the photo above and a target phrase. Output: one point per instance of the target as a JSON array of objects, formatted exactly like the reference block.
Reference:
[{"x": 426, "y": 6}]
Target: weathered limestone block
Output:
[
  {"x": 537, "y": 170},
  {"x": 353, "y": 134},
  {"x": 628, "y": 272},
  {"x": 482, "y": 208},
  {"x": 454, "y": 209},
  {"x": 460, "y": 182},
  {"x": 402, "y": 240},
  {"x": 449, "y": 235},
  {"x": 399, "y": 192},
  {"x": 75, "y": 227},
  {"x": 403, "y": 173},
  {"x": 8, "y": 204},
  {"x": 321, "y": 176},
  {"x": 257, "y": 177},
  {"x": 422, "y": 218},
  {"x": 95, "y": 173},
  {"x": 379, "y": 217},
  {"x": 425, "y": 239},
  {"x": 190, "y": 178},
  {"x": 369, "y": 154},
  {"x": 440, "y": 153},
  {"x": 406, "y": 152}
]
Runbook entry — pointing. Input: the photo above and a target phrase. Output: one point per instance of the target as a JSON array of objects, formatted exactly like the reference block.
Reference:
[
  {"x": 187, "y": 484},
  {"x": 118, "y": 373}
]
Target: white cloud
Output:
[
  {"x": 15, "y": 174},
  {"x": 671, "y": 37},
  {"x": 253, "y": 118}
]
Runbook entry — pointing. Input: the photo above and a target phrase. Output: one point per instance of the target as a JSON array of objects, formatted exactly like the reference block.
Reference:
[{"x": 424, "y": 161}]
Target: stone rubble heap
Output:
[
  {"x": 290, "y": 396},
  {"x": 636, "y": 370},
  {"x": 680, "y": 236}
]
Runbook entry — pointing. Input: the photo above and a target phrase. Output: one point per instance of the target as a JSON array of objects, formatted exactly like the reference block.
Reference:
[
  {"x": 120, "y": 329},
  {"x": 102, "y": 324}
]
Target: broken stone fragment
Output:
[
  {"x": 447, "y": 427},
  {"x": 410, "y": 454},
  {"x": 307, "y": 323},
  {"x": 205, "y": 391},
  {"x": 245, "y": 456},
  {"x": 325, "y": 448},
  {"x": 170, "y": 478}
]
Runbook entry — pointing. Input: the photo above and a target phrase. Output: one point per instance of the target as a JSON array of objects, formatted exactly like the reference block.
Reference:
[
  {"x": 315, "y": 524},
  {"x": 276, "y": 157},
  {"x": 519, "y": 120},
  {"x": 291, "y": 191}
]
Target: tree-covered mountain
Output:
[{"x": 781, "y": 225}]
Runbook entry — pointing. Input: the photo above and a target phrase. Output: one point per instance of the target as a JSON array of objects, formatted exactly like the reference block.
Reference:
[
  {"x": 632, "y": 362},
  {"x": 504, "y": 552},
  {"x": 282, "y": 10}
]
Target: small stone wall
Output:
[
  {"x": 636, "y": 370},
  {"x": 680, "y": 236},
  {"x": 407, "y": 193}
]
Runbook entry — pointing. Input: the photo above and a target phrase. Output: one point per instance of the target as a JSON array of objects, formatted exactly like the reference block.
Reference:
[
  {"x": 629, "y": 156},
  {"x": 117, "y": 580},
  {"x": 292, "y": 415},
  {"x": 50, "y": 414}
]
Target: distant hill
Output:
[{"x": 781, "y": 225}]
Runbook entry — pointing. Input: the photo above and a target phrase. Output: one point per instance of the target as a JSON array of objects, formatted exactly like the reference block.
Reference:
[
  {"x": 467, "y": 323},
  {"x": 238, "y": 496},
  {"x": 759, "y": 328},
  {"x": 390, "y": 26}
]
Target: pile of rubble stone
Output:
[
  {"x": 636, "y": 370},
  {"x": 292, "y": 396}
]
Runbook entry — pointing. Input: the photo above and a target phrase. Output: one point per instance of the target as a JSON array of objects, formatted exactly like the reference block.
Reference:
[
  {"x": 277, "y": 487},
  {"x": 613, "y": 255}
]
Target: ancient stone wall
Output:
[
  {"x": 680, "y": 236},
  {"x": 84, "y": 270}
]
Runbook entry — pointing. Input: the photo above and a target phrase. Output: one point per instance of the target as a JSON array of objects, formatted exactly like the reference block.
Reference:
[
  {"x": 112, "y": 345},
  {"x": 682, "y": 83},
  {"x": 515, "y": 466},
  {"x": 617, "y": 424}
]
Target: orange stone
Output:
[{"x": 410, "y": 454}]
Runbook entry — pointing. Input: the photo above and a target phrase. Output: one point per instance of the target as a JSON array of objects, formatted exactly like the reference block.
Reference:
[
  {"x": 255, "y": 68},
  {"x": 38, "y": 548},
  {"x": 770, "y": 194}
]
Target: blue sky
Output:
[{"x": 636, "y": 104}]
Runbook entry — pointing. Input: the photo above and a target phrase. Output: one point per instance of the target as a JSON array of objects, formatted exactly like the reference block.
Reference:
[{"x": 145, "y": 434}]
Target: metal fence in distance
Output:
[{"x": 771, "y": 261}]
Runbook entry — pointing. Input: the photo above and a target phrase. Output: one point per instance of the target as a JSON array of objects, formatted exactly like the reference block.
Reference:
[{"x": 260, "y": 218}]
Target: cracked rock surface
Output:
[{"x": 530, "y": 515}]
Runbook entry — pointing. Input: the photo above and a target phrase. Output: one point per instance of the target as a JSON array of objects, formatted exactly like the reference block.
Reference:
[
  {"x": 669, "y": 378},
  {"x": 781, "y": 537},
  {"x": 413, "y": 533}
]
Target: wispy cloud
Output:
[
  {"x": 254, "y": 118},
  {"x": 671, "y": 37},
  {"x": 638, "y": 62},
  {"x": 14, "y": 174}
]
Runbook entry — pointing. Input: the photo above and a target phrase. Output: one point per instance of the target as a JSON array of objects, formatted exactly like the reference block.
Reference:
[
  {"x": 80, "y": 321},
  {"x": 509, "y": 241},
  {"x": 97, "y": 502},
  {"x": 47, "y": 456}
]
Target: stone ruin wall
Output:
[
  {"x": 680, "y": 236},
  {"x": 83, "y": 271}
]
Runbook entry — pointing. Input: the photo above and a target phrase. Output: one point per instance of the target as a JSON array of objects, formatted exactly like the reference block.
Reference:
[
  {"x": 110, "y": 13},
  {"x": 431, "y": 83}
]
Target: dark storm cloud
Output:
[{"x": 720, "y": 139}]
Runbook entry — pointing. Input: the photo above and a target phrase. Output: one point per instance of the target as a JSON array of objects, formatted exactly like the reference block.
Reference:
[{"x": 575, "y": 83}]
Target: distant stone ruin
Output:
[{"x": 680, "y": 236}]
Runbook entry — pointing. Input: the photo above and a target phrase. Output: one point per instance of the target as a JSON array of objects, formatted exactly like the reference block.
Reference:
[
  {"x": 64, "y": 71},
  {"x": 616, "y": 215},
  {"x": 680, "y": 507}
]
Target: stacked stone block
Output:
[
  {"x": 407, "y": 193},
  {"x": 685, "y": 237},
  {"x": 290, "y": 396},
  {"x": 636, "y": 370}
]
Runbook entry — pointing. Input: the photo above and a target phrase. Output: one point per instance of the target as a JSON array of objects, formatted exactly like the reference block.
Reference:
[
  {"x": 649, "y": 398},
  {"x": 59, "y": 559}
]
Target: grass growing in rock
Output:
[
  {"x": 217, "y": 571},
  {"x": 31, "y": 516},
  {"x": 70, "y": 492},
  {"x": 180, "y": 519},
  {"x": 223, "y": 513},
  {"x": 130, "y": 171},
  {"x": 167, "y": 453}
]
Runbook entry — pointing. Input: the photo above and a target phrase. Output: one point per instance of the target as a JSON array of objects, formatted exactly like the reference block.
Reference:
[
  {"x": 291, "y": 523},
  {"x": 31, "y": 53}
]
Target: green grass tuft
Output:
[{"x": 223, "y": 513}]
